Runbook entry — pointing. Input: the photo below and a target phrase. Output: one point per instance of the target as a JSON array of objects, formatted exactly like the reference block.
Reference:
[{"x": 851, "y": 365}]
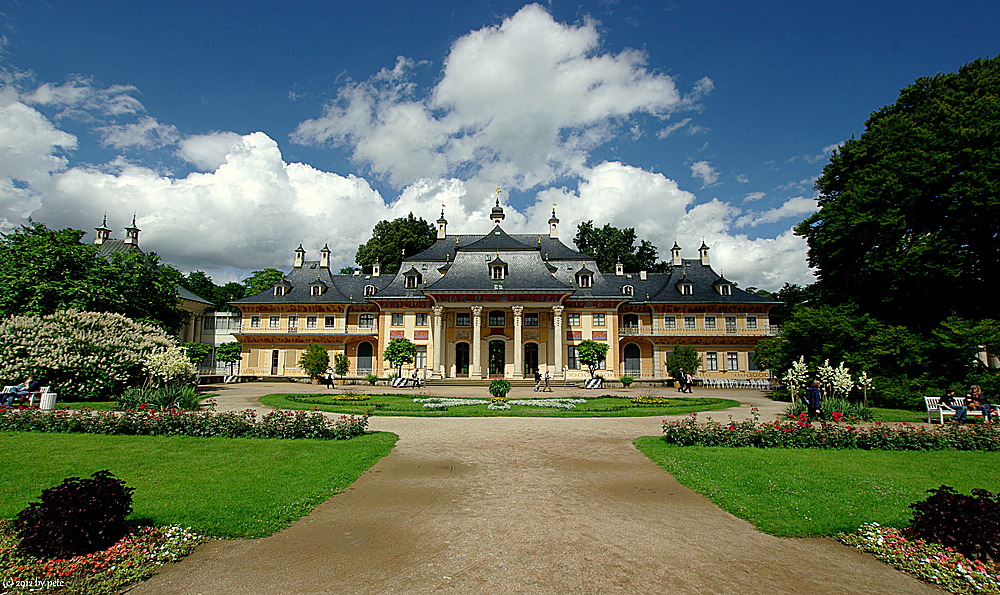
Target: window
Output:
[
  {"x": 670, "y": 322},
  {"x": 725, "y": 290},
  {"x": 531, "y": 319},
  {"x": 497, "y": 272},
  {"x": 730, "y": 322},
  {"x": 421, "y": 319},
  {"x": 583, "y": 280},
  {"x": 315, "y": 290},
  {"x": 279, "y": 290},
  {"x": 497, "y": 318},
  {"x": 689, "y": 323},
  {"x": 412, "y": 280},
  {"x": 329, "y": 322},
  {"x": 573, "y": 319},
  {"x": 208, "y": 323},
  {"x": 397, "y": 319},
  {"x": 310, "y": 322},
  {"x": 463, "y": 319},
  {"x": 712, "y": 361},
  {"x": 293, "y": 322},
  {"x": 751, "y": 363},
  {"x": 598, "y": 318},
  {"x": 751, "y": 322},
  {"x": 369, "y": 290},
  {"x": 686, "y": 289},
  {"x": 732, "y": 360},
  {"x": 274, "y": 322},
  {"x": 627, "y": 290},
  {"x": 255, "y": 322},
  {"x": 710, "y": 322},
  {"x": 366, "y": 321},
  {"x": 573, "y": 362},
  {"x": 420, "y": 359}
]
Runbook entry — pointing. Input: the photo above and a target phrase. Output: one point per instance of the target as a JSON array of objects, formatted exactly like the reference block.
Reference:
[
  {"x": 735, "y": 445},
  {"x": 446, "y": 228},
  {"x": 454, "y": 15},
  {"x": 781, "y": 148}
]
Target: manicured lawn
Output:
[
  {"x": 894, "y": 415},
  {"x": 223, "y": 487},
  {"x": 102, "y": 405},
  {"x": 800, "y": 492},
  {"x": 404, "y": 405}
]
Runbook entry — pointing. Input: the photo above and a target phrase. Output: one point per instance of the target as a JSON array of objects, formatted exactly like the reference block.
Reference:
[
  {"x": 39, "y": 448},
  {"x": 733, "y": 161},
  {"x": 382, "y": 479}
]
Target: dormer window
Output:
[
  {"x": 723, "y": 286},
  {"x": 315, "y": 290},
  {"x": 412, "y": 280},
  {"x": 498, "y": 272},
  {"x": 628, "y": 290},
  {"x": 725, "y": 290},
  {"x": 686, "y": 289},
  {"x": 583, "y": 281},
  {"x": 369, "y": 290},
  {"x": 279, "y": 290}
]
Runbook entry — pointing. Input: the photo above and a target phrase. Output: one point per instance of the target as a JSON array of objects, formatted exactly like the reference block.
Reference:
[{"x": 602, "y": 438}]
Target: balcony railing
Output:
[
  {"x": 351, "y": 329},
  {"x": 646, "y": 330}
]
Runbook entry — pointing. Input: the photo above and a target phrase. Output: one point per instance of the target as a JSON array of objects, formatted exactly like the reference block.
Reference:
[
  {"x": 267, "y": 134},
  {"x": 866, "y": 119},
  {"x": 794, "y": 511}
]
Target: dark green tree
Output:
[
  {"x": 398, "y": 353},
  {"x": 315, "y": 360},
  {"x": 200, "y": 284},
  {"x": 341, "y": 364},
  {"x": 609, "y": 245},
  {"x": 390, "y": 239},
  {"x": 229, "y": 292},
  {"x": 197, "y": 352},
  {"x": 907, "y": 226},
  {"x": 591, "y": 354},
  {"x": 263, "y": 280},
  {"x": 683, "y": 358},
  {"x": 229, "y": 353},
  {"x": 44, "y": 270}
]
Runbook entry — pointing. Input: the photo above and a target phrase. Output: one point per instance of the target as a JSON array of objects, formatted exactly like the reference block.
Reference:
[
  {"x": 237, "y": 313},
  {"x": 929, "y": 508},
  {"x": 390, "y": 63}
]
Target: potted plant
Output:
[{"x": 626, "y": 381}]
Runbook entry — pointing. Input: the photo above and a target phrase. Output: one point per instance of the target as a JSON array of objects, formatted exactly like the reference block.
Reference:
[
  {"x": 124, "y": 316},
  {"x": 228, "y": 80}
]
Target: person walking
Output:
[
  {"x": 538, "y": 380},
  {"x": 548, "y": 376}
]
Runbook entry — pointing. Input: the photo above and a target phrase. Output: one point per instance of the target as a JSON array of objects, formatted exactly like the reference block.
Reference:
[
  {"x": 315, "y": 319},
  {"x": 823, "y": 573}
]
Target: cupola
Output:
[
  {"x": 442, "y": 231},
  {"x": 300, "y": 257},
  {"x": 496, "y": 214},
  {"x": 132, "y": 234},
  {"x": 324, "y": 256},
  {"x": 376, "y": 269},
  {"x": 619, "y": 268},
  {"x": 703, "y": 254},
  {"x": 675, "y": 255},
  {"x": 103, "y": 232},
  {"x": 553, "y": 225}
]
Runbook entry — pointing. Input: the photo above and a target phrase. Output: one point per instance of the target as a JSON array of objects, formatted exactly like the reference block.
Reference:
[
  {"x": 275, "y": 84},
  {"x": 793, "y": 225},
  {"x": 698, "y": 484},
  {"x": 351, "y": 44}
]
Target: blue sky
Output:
[{"x": 235, "y": 131}]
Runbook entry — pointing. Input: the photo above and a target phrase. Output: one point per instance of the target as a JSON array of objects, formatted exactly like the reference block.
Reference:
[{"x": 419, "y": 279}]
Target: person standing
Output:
[
  {"x": 961, "y": 411},
  {"x": 688, "y": 382},
  {"x": 328, "y": 378},
  {"x": 814, "y": 401},
  {"x": 681, "y": 381}
]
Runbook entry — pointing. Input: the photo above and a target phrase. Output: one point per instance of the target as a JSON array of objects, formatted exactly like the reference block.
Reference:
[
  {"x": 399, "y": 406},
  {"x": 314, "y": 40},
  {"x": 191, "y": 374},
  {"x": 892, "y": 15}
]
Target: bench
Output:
[
  {"x": 594, "y": 383},
  {"x": 933, "y": 406},
  {"x": 40, "y": 394}
]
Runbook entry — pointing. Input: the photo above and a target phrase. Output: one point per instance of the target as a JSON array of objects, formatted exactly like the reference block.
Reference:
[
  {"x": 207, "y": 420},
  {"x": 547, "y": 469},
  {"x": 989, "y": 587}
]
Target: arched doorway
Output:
[
  {"x": 462, "y": 359},
  {"x": 633, "y": 360},
  {"x": 366, "y": 358},
  {"x": 498, "y": 357},
  {"x": 530, "y": 359}
]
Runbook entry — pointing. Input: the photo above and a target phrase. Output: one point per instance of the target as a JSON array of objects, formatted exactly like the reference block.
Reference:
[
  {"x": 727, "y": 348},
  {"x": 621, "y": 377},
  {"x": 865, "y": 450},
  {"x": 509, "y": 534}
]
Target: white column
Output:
[
  {"x": 557, "y": 321},
  {"x": 518, "y": 345},
  {"x": 438, "y": 371},
  {"x": 477, "y": 339}
]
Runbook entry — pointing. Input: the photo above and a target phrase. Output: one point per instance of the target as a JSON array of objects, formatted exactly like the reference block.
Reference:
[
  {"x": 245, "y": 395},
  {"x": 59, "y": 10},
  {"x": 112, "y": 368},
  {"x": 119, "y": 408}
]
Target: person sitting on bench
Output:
[{"x": 20, "y": 392}]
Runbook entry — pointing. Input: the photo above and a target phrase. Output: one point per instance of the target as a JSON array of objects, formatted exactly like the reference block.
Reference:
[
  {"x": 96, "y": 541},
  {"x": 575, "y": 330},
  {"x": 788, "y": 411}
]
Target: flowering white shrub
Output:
[
  {"x": 80, "y": 355},
  {"x": 842, "y": 381},
  {"x": 169, "y": 366},
  {"x": 796, "y": 376}
]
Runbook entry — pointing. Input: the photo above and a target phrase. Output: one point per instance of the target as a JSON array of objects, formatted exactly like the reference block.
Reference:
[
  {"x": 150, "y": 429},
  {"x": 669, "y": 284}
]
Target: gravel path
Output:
[{"x": 522, "y": 505}]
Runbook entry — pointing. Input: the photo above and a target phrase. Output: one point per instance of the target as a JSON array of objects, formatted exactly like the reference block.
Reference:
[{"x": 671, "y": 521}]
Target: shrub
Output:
[
  {"x": 371, "y": 379},
  {"x": 627, "y": 381},
  {"x": 185, "y": 398},
  {"x": 850, "y": 411},
  {"x": 79, "y": 516},
  {"x": 499, "y": 387},
  {"x": 80, "y": 355},
  {"x": 169, "y": 367},
  {"x": 315, "y": 360},
  {"x": 968, "y": 524}
]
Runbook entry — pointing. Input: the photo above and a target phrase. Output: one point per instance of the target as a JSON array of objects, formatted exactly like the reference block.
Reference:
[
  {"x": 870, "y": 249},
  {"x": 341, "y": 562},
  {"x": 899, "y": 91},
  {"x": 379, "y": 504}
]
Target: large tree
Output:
[
  {"x": 262, "y": 281},
  {"x": 609, "y": 245},
  {"x": 390, "y": 239},
  {"x": 907, "y": 226},
  {"x": 44, "y": 270}
]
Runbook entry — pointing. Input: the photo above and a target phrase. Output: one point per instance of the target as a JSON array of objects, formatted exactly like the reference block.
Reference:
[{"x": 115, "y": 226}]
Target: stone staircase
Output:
[{"x": 485, "y": 383}]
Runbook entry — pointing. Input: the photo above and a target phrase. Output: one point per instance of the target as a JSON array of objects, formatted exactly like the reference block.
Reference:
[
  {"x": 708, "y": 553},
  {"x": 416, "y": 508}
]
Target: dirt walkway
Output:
[{"x": 518, "y": 505}]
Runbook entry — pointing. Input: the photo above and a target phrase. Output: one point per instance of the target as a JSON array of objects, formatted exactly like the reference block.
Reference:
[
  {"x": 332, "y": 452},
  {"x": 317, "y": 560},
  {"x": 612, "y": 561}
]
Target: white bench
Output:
[
  {"x": 403, "y": 382},
  {"x": 933, "y": 406}
]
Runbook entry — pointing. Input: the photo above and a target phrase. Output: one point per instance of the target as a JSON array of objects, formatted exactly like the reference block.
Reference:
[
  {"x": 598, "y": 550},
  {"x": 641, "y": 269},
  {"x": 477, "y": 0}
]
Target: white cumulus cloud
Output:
[{"x": 703, "y": 170}]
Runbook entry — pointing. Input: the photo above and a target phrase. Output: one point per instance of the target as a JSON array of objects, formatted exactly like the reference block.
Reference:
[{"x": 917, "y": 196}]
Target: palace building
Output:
[{"x": 501, "y": 305}]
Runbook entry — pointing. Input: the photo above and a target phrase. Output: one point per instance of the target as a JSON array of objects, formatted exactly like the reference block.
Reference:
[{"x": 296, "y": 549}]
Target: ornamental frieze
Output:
[
  {"x": 712, "y": 308},
  {"x": 637, "y": 309},
  {"x": 702, "y": 340},
  {"x": 300, "y": 308},
  {"x": 593, "y": 305},
  {"x": 402, "y": 303},
  {"x": 496, "y": 297}
]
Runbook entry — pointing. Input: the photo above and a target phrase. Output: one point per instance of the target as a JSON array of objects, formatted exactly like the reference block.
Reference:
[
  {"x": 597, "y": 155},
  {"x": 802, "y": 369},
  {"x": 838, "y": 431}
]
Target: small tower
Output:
[
  {"x": 703, "y": 254},
  {"x": 103, "y": 232},
  {"x": 376, "y": 269},
  {"x": 496, "y": 215},
  {"x": 619, "y": 268},
  {"x": 442, "y": 225},
  {"x": 132, "y": 234},
  {"x": 675, "y": 255},
  {"x": 324, "y": 256},
  {"x": 553, "y": 224},
  {"x": 300, "y": 256}
]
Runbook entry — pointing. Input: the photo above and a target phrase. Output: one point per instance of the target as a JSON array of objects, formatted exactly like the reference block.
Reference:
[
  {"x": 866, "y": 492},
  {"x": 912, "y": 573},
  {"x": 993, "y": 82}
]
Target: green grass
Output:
[
  {"x": 801, "y": 492},
  {"x": 897, "y": 415},
  {"x": 102, "y": 405},
  {"x": 223, "y": 487},
  {"x": 404, "y": 405}
]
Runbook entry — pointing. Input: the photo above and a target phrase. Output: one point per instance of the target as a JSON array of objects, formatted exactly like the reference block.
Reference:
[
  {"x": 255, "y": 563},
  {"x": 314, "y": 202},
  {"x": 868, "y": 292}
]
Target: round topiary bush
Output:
[
  {"x": 499, "y": 388},
  {"x": 79, "y": 516}
]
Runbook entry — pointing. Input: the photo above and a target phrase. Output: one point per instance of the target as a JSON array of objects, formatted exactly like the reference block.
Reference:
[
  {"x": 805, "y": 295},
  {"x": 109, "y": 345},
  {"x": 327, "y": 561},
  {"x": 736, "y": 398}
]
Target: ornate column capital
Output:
[
  {"x": 437, "y": 310},
  {"x": 518, "y": 310},
  {"x": 558, "y": 310},
  {"x": 477, "y": 310}
]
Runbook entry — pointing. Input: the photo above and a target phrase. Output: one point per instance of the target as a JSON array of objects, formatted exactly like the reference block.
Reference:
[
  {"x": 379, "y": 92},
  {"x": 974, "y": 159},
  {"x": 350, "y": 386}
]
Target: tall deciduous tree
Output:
[
  {"x": 609, "y": 245},
  {"x": 907, "y": 226},
  {"x": 44, "y": 270},
  {"x": 390, "y": 239},
  {"x": 591, "y": 354},
  {"x": 262, "y": 281},
  {"x": 398, "y": 353}
]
